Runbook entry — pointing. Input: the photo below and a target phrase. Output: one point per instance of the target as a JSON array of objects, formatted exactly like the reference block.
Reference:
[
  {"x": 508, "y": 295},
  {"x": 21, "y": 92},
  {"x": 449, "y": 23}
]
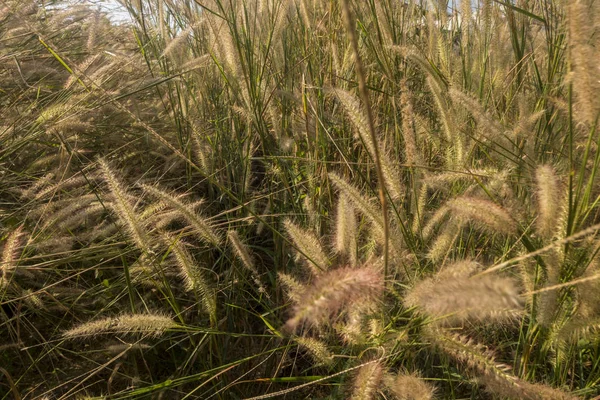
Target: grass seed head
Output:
[{"x": 334, "y": 292}]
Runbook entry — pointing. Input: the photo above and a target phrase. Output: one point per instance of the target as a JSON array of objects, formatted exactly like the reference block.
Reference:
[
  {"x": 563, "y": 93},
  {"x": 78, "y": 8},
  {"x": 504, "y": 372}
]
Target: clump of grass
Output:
[{"x": 307, "y": 205}]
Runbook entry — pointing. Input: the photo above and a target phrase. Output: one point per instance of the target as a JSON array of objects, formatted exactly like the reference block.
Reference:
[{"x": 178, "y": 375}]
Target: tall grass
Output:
[{"x": 300, "y": 199}]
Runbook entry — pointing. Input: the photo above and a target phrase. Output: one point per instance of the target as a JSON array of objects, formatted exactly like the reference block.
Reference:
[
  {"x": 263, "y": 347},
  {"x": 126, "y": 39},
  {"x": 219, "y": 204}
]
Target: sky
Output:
[{"x": 115, "y": 11}]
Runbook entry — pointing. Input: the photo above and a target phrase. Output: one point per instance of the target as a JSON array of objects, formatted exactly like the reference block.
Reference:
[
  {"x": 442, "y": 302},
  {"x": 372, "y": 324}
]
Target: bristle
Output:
[
  {"x": 359, "y": 120},
  {"x": 455, "y": 297},
  {"x": 192, "y": 274},
  {"x": 360, "y": 202},
  {"x": 346, "y": 231},
  {"x": 548, "y": 199},
  {"x": 59, "y": 217},
  {"x": 312, "y": 215},
  {"x": 82, "y": 67},
  {"x": 10, "y": 256},
  {"x": 391, "y": 174},
  {"x": 177, "y": 42},
  {"x": 201, "y": 227},
  {"x": 408, "y": 132},
  {"x": 407, "y": 386},
  {"x": 487, "y": 215},
  {"x": 309, "y": 247},
  {"x": 419, "y": 205},
  {"x": 69, "y": 183},
  {"x": 265, "y": 214},
  {"x": 40, "y": 183},
  {"x": 588, "y": 294},
  {"x": 79, "y": 218},
  {"x": 455, "y": 152},
  {"x": 195, "y": 63},
  {"x": 489, "y": 127},
  {"x": 124, "y": 210},
  {"x": 466, "y": 15},
  {"x": 475, "y": 355},
  {"x": 583, "y": 45},
  {"x": 351, "y": 329},
  {"x": 334, "y": 291},
  {"x": 149, "y": 324},
  {"x": 242, "y": 251},
  {"x": 292, "y": 287},
  {"x": 317, "y": 349},
  {"x": 443, "y": 243},
  {"x": 33, "y": 300},
  {"x": 518, "y": 389},
  {"x": 367, "y": 381},
  {"x": 548, "y": 301}
]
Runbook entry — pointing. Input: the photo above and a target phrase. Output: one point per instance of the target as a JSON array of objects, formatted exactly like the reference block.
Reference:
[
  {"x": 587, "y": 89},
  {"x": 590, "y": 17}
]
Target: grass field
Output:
[{"x": 300, "y": 199}]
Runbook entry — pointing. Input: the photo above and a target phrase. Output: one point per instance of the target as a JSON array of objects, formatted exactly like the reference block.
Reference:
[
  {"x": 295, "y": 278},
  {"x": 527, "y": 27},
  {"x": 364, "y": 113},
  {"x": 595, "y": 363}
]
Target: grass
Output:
[{"x": 300, "y": 199}]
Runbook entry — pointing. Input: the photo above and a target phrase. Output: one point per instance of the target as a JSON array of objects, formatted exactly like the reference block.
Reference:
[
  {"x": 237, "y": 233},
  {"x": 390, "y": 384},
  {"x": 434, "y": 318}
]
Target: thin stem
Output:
[{"x": 364, "y": 94}]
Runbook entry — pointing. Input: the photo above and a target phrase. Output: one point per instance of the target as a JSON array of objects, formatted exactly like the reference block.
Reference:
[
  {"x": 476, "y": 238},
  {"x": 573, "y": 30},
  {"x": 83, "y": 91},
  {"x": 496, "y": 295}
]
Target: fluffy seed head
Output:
[
  {"x": 317, "y": 349},
  {"x": 198, "y": 223},
  {"x": 361, "y": 203},
  {"x": 346, "y": 230},
  {"x": 150, "y": 324},
  {"x": 548, "y": 199},
  {"x": 485, "y": 214},
  {"x": 411, "y": 154},
  {"x": 309, "y": 246},
  {"x": 336, "y": 291},
  {"x": 475, "y": 355},
  {"x": 442, "y": 244},
  {"x": 410, "y": 387},
  {"x": 191, "y": 273},
  {"x": 293, "y": 288},
  {"x": 518, "y": 389},
  {"x": 242, "y": 252},
  {"x": 10, "y": 254},
  {"x": 495, "y": 377},
  {"x": 354, "y": 110},
  {"x": 582, "y": 17},
  {"x": 367, "y": 381},
  {"x": 458, "y": 298},
  {"x": 123, "y": 208}
]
